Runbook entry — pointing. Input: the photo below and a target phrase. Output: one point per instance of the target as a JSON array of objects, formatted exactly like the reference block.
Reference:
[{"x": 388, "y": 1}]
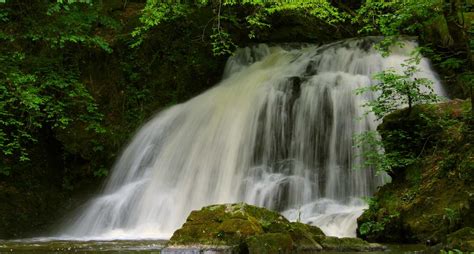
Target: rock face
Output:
[
  {"x": 434, "y": 195},
  {"x": 242, "y": 228}
]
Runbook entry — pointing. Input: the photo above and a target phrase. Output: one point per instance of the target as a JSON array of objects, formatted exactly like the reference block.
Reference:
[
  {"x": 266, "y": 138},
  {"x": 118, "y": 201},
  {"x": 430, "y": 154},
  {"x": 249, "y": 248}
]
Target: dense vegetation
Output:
[
  {"x": 78, "y": 77},
  {"x": 431, "y": 195},
  {"x": 73, "y": 91}
]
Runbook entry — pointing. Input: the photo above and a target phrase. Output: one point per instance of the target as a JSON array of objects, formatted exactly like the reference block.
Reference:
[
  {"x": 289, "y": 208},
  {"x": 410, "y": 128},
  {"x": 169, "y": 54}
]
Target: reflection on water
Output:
[{"x": 31, "y": 246}]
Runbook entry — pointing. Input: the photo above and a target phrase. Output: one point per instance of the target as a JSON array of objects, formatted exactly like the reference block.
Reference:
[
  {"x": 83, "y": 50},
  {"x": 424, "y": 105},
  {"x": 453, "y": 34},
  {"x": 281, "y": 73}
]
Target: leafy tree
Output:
[
  {"x": 372, "y": 152},
  {"x": 31, "y": 101},
  {"x": 394, "y": 90},
  {"x": 257, "y": 19},
  {"x": 40, "y": 84},
  {"x": 393, "y": 19}
]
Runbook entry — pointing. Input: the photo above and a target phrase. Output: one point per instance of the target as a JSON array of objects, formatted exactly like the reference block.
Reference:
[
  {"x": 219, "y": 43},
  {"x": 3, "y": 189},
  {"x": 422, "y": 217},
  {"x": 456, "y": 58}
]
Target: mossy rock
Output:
[
  {"x": 349, "y": 244},
  {"x": 432, "y": 197},
  {"x": 306, "y": 237},
  {"x": 228, "y": 224},
  {"x": 462, "y": 239},
  {"x": 270, "y": 243},
  {"x": 242, "y": 228}
]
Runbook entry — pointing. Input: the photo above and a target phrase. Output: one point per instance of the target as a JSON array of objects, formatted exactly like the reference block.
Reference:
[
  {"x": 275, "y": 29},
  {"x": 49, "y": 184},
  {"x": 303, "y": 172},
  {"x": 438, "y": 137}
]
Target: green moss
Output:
[
  {"x": 240, "y": 227},
  {"x": 270, "y": 243},
  {"x": 228, "y": 224}
]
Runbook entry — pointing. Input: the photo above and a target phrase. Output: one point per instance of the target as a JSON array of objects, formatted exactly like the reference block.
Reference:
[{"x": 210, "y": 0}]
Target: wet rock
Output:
[{"x": 312, "y": 68}]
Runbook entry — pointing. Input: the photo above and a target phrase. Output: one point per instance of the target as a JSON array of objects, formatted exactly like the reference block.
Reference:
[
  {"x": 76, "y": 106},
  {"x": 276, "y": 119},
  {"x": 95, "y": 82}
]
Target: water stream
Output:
[{"x": 275, "y": 132}]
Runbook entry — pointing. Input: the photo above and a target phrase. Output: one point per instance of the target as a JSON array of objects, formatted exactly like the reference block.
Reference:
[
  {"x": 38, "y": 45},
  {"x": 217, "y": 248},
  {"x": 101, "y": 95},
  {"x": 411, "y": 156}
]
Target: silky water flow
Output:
[{"x": 276, "y": 132}]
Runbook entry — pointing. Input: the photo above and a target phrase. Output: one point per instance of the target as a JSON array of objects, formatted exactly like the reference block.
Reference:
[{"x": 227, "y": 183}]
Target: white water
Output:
[{"x": 276, "y": 132}]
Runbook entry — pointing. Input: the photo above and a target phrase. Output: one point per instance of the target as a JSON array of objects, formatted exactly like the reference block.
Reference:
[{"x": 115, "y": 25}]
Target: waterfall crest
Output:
[{"x": 276, "y": 132}]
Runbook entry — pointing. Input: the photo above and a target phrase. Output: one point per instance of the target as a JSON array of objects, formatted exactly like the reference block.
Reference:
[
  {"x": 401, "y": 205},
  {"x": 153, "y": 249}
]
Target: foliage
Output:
[
  {"x": 48, "y": 99},
  {"x": 40, "y": 83},
  {"x": 452, "y": 216},
  {"x": 405, "y": 138},
  {"x": 395, "y": 18},
  {"x": 392, "y": 92},
  {"x": 438, "y": 138},
  {"x": 159, "y": 11},
  {"x": 395, "y": 90},
  {"x": 373, "y": 227},
  {"x": 222, "y": 43},
  {"x": 373, "y": 154},
  {"x": 156, "y": 12},
  {"x": 467, "y": 78},
  {"x": 320, "y": 9},
  {"x": 69, "y": 24},
  {"x": 452, "y": 63}
]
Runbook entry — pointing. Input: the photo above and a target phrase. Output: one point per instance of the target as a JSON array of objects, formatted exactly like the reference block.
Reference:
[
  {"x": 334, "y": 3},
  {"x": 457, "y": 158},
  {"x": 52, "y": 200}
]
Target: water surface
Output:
[{"x": 30, "y": 246}]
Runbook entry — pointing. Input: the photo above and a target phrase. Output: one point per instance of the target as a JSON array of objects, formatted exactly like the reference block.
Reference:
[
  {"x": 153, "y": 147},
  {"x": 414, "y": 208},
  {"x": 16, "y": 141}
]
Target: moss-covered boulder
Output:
[
  {"x": 433, "y": 196},
  {"x": 242, "y": 228},
  {"x": 225, "y": 225},
  {"x": 347, "y": 244},
  {"x": 270, "y": 243}
]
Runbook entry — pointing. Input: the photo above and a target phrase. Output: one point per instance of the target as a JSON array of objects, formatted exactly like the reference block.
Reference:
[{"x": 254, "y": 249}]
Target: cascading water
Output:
[{"x": 276, "y": 132}]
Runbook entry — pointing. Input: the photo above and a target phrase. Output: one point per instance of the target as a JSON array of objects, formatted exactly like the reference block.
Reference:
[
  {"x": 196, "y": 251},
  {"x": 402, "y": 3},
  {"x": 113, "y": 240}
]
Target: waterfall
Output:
[{"x": 275, "y": 132}]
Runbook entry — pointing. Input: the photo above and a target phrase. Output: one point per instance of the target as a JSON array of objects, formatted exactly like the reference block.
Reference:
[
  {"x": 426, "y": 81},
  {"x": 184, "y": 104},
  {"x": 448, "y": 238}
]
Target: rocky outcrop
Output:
[
  {"x": 242, "y": 228},
  {"x": 432, "y": 197}
]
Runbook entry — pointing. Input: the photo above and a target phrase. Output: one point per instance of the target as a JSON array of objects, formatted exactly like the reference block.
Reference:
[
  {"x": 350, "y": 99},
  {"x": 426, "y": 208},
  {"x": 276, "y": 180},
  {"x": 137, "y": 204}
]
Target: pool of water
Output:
[
  {"x": 61, "y": 246},
  {"x": 30, "y": 246}
]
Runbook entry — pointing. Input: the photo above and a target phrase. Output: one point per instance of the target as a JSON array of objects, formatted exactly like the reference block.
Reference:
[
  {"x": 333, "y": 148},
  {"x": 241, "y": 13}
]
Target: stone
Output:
[{"x": 243, "y": 228}]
